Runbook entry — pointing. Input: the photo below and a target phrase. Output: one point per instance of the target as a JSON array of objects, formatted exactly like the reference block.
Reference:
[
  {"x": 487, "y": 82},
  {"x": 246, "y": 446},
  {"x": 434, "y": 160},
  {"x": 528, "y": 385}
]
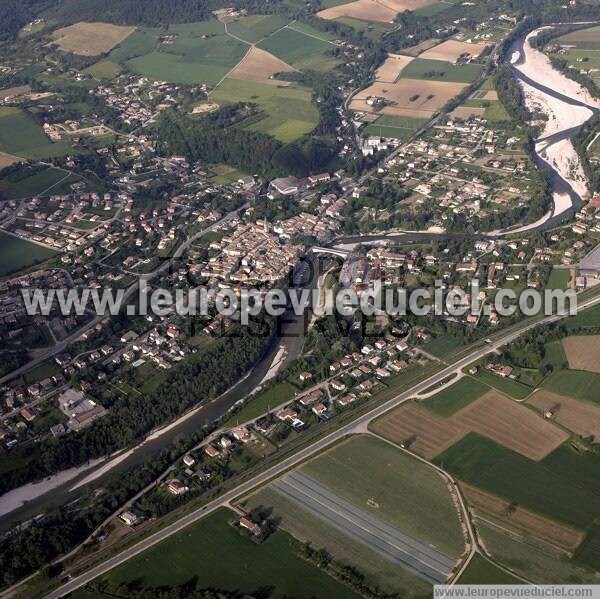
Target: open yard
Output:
[
  {"x": 90, "y": 39},
  {"x": 565, "y": 485},
  {"x": 409, "y": 97},
  {"x": 17, "y": 254},
  {"x": 583, "y": 352},
  {"x": 219, "y": 557},
  {"x": 452, "y": 50},
  {"x": 581, "y": 417},
  {"x": 288, "y": 110},
  {"x": 395, "y": 487}
]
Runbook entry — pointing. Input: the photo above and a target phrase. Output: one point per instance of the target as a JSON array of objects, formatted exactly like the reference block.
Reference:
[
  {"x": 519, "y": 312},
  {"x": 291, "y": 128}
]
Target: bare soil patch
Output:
[
  {"x": 452, "y": 50},
  {"x": 11, "y": 92},
  {"x": 260, "y": 65},
  {"x": 578, "y": 416},
  {"x": 8, "y": 159},
  {"x": 557, "y": 534},
  {"x": 205, "y": 107},
  {"x": 90, "y": 39},
  {"x": 418, "y": 429},
  {"x": 390, "y": 70},
  {"x": 511, "y": 424},
  {"x": 583, "y": 352}
]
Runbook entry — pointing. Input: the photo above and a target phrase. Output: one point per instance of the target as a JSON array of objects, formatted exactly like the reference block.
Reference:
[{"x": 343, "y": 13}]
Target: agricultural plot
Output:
[
  {"x": 575, "y": 383},
  {"x": 105, "y": 69},
  {"x": 300, "y": 50},
  {"x": 580, "y": 417},
  {"x": 28, "y": 182},
  {"x": 306, "y": 527},
  {"x": 394, "y": 126},
  {"x": 564, "y": 486},
  {"x": 380, "y": 479},
  {"x": 482, "y": 571},
  {"x": 18, "y": 254},
  {"x": 20, "y": 135},
  {"x": 371, "y": 10},
  {"x": 536, "y": 561},
  {"x": 586, "y": 39},
  {"x": 8, "y": 159},
  {"x": 454, "y": 397},
  {"x": 589, "y": 552},
  {"x": 440, "y": 70},
  {"x": 260, "y": 66},
  {"x": 392, "y": 67},
  {"x": 509, "y": 387},
  {"x": 583, "y": 352},
  {"x": 521, "y": 519},
  {"x": 409, "y": 97},
  {"x": 90, "y": 39},
  {"x": 219, "y": 557},
  {"x": 288, "y": 110},
  {"x": 254, "y": 28},
  {"x": 453, "y": 50}
]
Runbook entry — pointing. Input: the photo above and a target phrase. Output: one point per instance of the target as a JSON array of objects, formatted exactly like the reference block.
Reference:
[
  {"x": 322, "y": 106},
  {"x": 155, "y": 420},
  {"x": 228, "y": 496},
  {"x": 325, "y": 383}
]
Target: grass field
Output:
[
  {"x": 456, "y": 396},
  {"x": 512, "y": 388},
  {"x": 410, "y": 496},
  {"x": 439, "y": 70},
  {"x": 565, "y": 485},
  {"x": 442, "y": 346},
  {"x": 300, "y": 50},
  {"x": 105, "y": 69},
  {"x": 559, "y": 279},
  {"x": 308, "y": 30},
  {"x": 482, "y": 571},
  {"x": 370, "y": 29},
  {"x": 394, "y": 126},
  {"x": 289, "y": 112},
  {"x": 588, "y": 39},
  {"x": 535, "y": 561},
  {"x": 267, "y": 400},
  {"x": 305, "y": 526},
  {"x": 219, "y": 557},
  {"x": 575, "y": 383},
  {"x": 255, "y": 27},
  {"x": 432, "y": 9},
  {"x": 23, "y": 184},
  {"x": 22, "y": 136},
  {"x": 586, "y": 319},
  {"x": 17, "y": 254},
  {"x": 589, "y": 551}
]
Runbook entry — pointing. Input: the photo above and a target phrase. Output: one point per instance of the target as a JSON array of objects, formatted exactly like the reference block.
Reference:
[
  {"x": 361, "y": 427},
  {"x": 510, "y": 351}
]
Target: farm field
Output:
[
  {"x": 535, "y": 561},
  {"x": 371, "y": 29},
  {"x": 586, "y": 319},
  {"x": 440, "y": 70},
  {"x": 482, "y": 571},
  {"x": 588, "y": 553},
  {"x": 306, "y": 527},
  {"x": 575, "y": 383},
  {"x": 265, "y": 400},
  {"x": 105, "y": 69},
  {"x": 22, "y": 136},
  {"x": 18, "y": 254},
  {"x": 300, "y": 50},
  {"x": 452, "y": 50},
  {"x": 433, "y": 9},
  {"x": 90, "y": 39},
  {"x": 370, "y": 10},
  {"x": 27, "y": 183},
  {"x": 375, "y": 476},
  {"x": 254, "y": 28},
  {"x": 583, "y": 352},
  {"x": 456, "y": 396},
  {"x": 442, "y": 346},
  {"x": 260, "y": 66},
  {"x": 559, "y": 279},
  {"x": 587, "y": 39},
  {"x": 409, "y": 97},
  {"x": 308, "y": 30},
  {"x": 7, "y": 160},
  {"x": 523, "y": 520},
  {"x": 580, "y": 417},
  {"x": 219, "y": 557},
  {"x": 509, "y": 387},
  {"x": 289, "y": 110},
  {"x": 394, "y": 126},
  {"x": 393, "y": 65},
  {"x": 564, "y": 485}
]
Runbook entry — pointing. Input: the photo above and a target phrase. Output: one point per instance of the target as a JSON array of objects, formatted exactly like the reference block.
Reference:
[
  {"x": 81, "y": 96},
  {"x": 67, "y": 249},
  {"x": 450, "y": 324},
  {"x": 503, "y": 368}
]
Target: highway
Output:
[{"x": 359, "y": 424}]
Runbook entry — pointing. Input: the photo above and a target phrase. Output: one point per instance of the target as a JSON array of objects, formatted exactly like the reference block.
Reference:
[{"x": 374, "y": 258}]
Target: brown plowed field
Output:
[
  {"x": 373, "y": 10},
  {"x": 390, "y": 70},
  {"x": 259, "y": 65},
  {"x": 451, "y": 50},
  {"x": 90, "y": 39},
  {"x": 583, "y": 352}
]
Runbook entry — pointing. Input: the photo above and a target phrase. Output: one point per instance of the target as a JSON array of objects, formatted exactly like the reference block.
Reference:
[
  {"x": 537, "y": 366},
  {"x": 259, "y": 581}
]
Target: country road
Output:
[{"x": 357, "y": 425}]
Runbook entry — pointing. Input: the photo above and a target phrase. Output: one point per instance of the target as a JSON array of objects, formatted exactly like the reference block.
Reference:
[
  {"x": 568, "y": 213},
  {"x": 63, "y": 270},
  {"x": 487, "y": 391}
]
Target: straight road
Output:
[{"x": 359, "y": 424}]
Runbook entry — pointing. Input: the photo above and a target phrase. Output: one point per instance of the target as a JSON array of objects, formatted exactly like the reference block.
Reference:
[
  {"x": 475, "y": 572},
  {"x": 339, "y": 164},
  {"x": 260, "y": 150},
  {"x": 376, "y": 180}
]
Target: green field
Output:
[
  {"x": 432, "y": 9},
  {"x": 254, "y": 28},
  {"x": 583, "y": 58},
  {"x": 26, "y": 182},
  {"x": 509, "y": 387},
  {"x": 300, "y": 50},
  {"x": 409, "y": 495},
  {"x": 588, "y": 553},
  {"x": 304, "y": 526},
  {"x": 555, "y": 355},
  {"x": 289, "y": 112},
  {"x": 219, "y": 557},
  {"x": 586, "y": 319},
  {"x": 264, "y": 401},
  {"x": 372, "y": 29},
  {"x": 225, "y": 174},
  {"x": 579, "y": 384},
  {"x": 482, "y": 571},
  {"x": 565, "y": 485},
  {"x": 22, "y": 136},
  {"x": 496, "y": 112},
  {"x": 456, "y": 396},
  {"x": 590, "y": 44},
  {"x": 440, "y": 70},
  {"x": 18, "y": 254},
  {"x": 198, "y": 53},
  {"x": 559, "y": 279},
  {"x": 394, "y": 126},
  {"x": 105, "y": 69},
  {"x": 308, "y": 30},
  {"x": 441, "y": 347},
  {"x": 535, "y": 560}
]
